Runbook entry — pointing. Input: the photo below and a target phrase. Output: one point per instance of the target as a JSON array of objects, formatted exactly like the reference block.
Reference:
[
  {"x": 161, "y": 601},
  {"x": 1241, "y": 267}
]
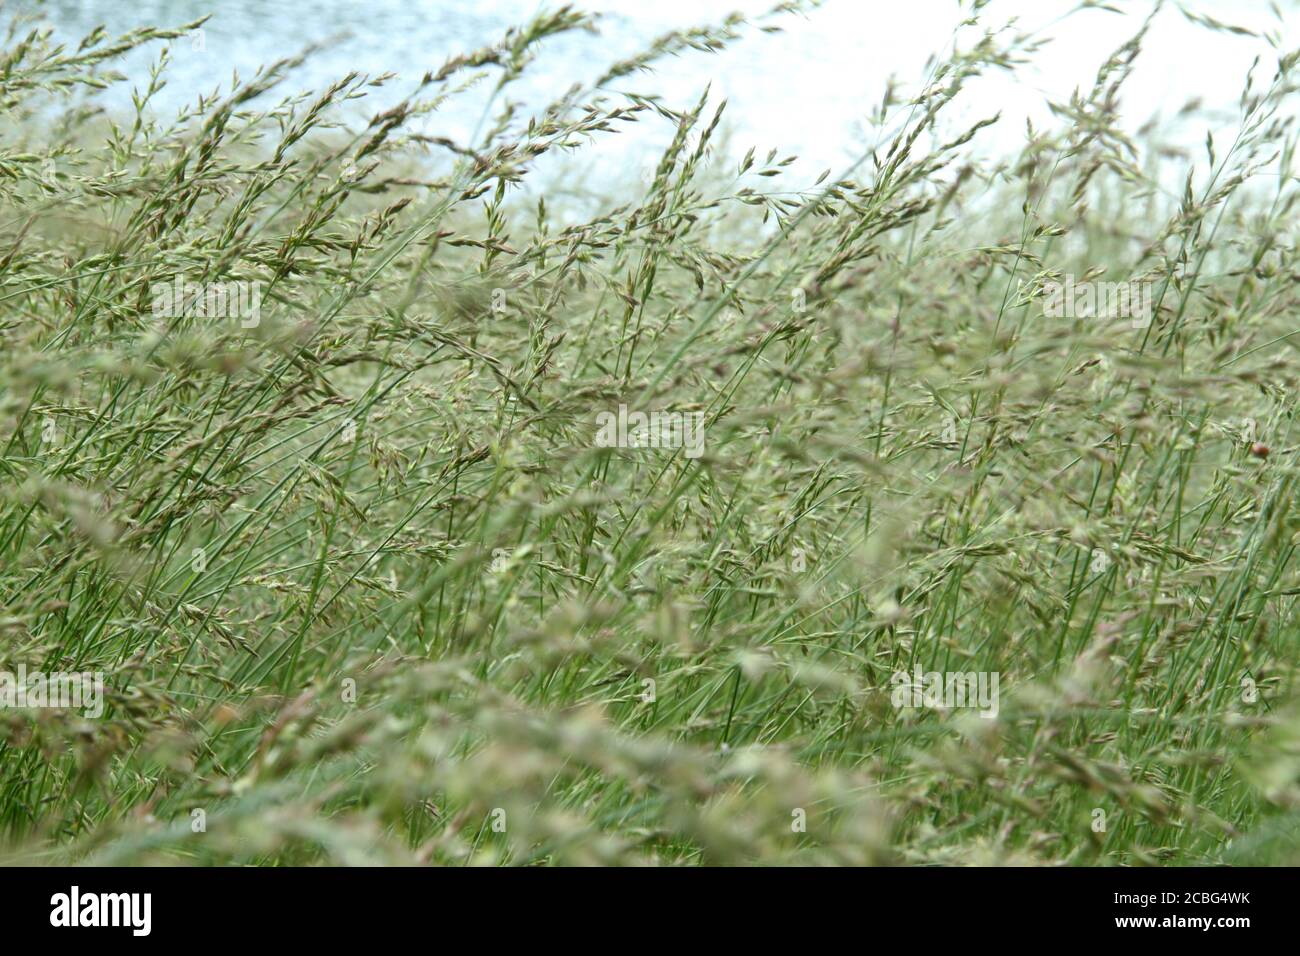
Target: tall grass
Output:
[{"x": 365, "y": 589}]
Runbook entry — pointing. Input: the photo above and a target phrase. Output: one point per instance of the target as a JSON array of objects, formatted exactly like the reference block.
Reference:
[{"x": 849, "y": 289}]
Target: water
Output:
[{"x": 804, "y": 91}]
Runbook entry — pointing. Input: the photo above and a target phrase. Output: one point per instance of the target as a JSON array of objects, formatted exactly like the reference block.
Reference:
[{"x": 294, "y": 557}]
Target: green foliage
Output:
[{"x": 364, "y": 587}]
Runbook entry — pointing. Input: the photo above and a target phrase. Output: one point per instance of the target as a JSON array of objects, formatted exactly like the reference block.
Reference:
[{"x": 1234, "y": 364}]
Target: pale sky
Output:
[
  {"x": 808, "y": 82},
  {"x": 804, "y": 91}
]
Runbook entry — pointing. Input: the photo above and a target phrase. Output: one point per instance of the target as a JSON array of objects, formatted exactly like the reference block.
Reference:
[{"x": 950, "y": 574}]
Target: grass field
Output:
[{"x": 300, "y": 449}]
